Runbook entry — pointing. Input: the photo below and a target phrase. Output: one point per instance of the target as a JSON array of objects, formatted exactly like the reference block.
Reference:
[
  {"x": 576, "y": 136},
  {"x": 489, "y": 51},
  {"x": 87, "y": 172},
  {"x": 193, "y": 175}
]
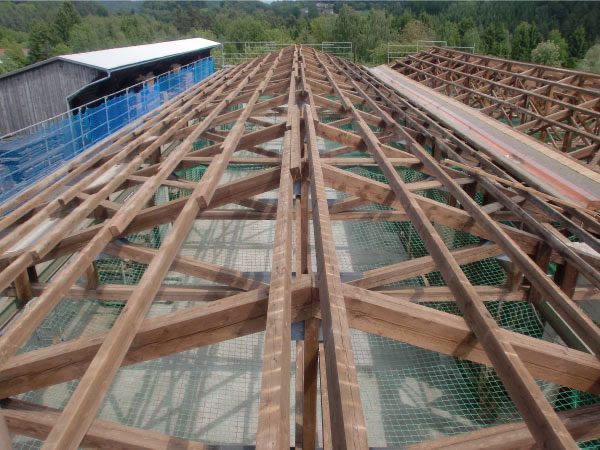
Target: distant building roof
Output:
[{"x": 115, "y": 58}]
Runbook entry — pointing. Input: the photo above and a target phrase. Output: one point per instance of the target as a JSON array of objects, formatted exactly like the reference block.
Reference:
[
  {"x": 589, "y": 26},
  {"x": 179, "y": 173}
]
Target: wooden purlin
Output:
[
  {"x": 560, "y": 107},
  {"x": 287, "y": 97},
  {"x": 346, "y": 416},
  {"x": 273, "y": 427}
]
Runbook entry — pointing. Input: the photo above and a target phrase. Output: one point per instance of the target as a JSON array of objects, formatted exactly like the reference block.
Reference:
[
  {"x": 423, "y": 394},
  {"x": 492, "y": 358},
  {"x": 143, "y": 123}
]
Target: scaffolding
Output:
[
  {"x": 396, "y": 51},
  {"x": 427, "y": 303},
  {"x": 29, "y": 154}
]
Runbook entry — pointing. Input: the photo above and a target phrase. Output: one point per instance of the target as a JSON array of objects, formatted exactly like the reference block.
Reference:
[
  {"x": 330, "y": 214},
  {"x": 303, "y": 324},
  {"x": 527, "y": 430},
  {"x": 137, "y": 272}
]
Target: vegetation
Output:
[{"x": 556, "y": 33}]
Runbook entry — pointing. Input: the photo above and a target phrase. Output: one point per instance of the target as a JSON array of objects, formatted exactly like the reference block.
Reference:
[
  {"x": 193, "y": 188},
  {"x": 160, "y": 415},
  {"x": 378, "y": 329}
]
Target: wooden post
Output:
[
  {"x": 23, "y": 289},
  {"x": 91, "y": 276},
  {"x": 310, "y": 372}
]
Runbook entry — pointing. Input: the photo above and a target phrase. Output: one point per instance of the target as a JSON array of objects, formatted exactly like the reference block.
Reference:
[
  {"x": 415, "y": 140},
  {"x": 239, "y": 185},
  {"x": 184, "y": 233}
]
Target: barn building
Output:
[{"x": 48, "y": 88}]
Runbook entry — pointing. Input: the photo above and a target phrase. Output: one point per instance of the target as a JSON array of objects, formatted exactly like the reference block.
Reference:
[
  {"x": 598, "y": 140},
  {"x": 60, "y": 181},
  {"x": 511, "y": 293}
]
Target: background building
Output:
[{"x": 46, "y": 89}]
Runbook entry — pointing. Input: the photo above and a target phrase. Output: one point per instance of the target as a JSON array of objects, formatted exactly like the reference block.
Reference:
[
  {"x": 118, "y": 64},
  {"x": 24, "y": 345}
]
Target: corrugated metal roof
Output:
[{"x": 115, "y": 58}]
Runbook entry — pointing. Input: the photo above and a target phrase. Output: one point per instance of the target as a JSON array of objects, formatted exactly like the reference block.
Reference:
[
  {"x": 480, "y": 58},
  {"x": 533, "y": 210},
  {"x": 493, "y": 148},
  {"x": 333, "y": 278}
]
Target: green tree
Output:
[
  {"x": 591, "y": 61},
  {"x": 13, "y": 58},
  {"x": 42, "y": 41},
  {"x": 495, "y": 40},
  {"x": 547, "y": 53},
  {"x": 375, "y": 29},
  {"x": 556, "y": 37},
  {"x": 414, "y": 31},
  {"x": 346, "y": 25},
  {"x": 578, "y": 42},
  {"x": 471, "y": 38},
  {"x": 66, "y": 18},
  {"x": 525, "y": 38},
  {"x": 246, "y": 29},
  {"x": 450, "y": 33}
]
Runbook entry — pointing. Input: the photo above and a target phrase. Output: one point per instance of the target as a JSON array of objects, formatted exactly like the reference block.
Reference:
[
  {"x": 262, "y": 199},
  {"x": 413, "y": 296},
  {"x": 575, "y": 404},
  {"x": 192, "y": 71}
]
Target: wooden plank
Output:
[
  {"x": 347, "y": 419},
  {"x": 420, "y": 266},
  {"x": 437, "y": 212},
  {"x": 36, "y": 421},
  {"x": 310, "y": 374},
  {"x": 583, "y": 423},
  {"x": 186, "y": 265},
  {"x": 449, "y": 334},
  {"x": 120, "y": 292},
  {"x": 325, "y": 407},
  {"x": 299, "y": 399},
  {"x": 5, "y": 438},
  {"x": 274, "y": 411}
]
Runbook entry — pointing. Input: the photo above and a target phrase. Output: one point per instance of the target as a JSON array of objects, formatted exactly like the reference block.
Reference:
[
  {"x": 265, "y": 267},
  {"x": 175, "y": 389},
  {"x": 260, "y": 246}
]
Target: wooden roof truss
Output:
[
  {"x": 301, "y": 88},
  {"x": 560, "y": 107}
]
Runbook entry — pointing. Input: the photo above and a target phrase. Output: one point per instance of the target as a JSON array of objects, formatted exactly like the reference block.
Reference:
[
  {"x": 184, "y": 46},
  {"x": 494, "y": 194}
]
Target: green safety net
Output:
[{"x": 211, "y": 393}]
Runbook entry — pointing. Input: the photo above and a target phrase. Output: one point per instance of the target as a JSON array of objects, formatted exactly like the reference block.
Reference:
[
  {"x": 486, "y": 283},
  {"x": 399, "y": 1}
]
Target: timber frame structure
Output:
[
  {"x": 560, "y": 107},
  {"x": 301, "y": 98}
]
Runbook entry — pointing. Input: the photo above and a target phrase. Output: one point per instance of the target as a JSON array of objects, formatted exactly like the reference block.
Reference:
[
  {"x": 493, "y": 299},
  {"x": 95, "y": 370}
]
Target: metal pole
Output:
[
  {"x": 80, "y": 115},
  {"x": 107, "y": 119},
  {"x": 127, "y": 100}
]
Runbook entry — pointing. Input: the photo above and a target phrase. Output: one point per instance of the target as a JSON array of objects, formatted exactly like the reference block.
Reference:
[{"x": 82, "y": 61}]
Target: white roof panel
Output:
[{"x": 114, "y": 58}]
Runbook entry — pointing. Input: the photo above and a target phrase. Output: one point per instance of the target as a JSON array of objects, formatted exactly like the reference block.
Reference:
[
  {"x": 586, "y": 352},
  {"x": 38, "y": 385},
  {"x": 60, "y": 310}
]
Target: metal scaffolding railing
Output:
[
  {"x": 395, "y": 51},
  {"x": 31, "y": 153},
  {"x": 232, "y": 53}
]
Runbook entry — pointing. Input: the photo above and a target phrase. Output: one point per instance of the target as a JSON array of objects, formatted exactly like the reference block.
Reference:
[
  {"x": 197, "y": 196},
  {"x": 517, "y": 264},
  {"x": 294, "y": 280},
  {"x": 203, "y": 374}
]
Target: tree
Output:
[
  {"x": 524, "y": 40},
  {"x": 578, "y": 43},
  {"x": 66, "y": 18},
  {"x": 42, "y": 41},
  {"x": 450, "y": 33},
  {"x": 591, "y": 61},
  {"x": 495, "y": 40},
  {"x": 414, "y": 31},
  {"x": 471, "y": 38},
  {"x": 547, "y": 53},
  {"x": 246, "y": 29},
  {"x": 13, "y": 58},
  {"x": 346, "y": 25},
  {"x": 375, "y": 29},
  {"x": 556, "y": 37}
]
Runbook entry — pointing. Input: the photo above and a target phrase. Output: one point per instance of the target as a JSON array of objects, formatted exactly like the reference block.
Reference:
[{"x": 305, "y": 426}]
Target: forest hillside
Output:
[{"x": 546, "y": 32}]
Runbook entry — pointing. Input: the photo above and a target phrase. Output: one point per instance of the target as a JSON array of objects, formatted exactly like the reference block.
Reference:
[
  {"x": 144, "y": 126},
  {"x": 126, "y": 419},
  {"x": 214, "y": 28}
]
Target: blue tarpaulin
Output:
[{"x": 37, "y": 151}]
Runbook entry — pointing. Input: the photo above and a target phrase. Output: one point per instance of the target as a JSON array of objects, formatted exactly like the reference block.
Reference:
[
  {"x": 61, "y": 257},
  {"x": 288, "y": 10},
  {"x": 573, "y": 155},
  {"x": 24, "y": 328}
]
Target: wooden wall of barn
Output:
[{"x": 38, "y": 93}]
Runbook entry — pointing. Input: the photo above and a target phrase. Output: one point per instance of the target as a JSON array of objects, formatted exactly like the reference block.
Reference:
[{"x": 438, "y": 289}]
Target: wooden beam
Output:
[
  {"x": 449, "y": 334},
  {"x": 583, "y": 423},
  {"x": 348, "y": 428},
  {"x": 81, "y": 409},
  {"x": 182, "y": 330},
  {"x": 186, "y": 265},
  {"x": 36, "y": 421},
  {"x": 274, "y": 412},
  {"x": 419, "y": 266}
]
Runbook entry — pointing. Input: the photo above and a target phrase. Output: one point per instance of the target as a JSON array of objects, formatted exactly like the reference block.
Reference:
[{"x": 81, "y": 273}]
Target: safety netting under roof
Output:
[{"x": 211, "y": 393}]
